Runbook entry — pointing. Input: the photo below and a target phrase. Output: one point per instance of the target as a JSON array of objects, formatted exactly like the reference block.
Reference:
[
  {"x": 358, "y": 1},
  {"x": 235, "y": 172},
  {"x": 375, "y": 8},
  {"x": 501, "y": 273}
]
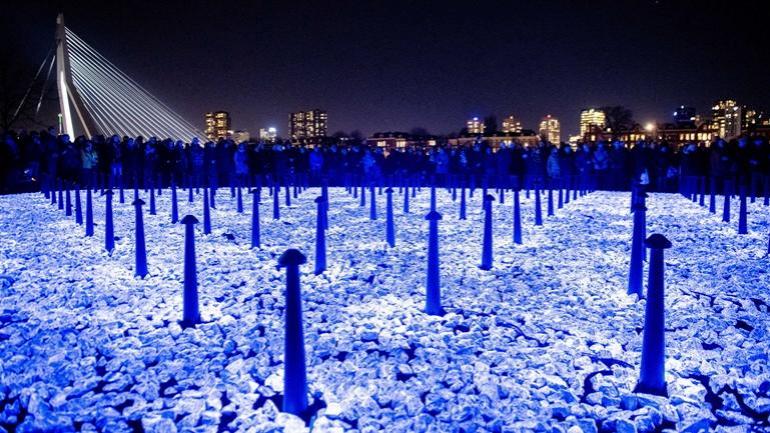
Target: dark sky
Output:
[{"x": 391, "y": 65}]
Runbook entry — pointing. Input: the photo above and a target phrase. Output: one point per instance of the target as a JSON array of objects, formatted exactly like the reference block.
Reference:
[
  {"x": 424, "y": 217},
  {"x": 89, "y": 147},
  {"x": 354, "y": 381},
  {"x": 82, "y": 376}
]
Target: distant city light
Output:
[{"x": 649, "y": 127}]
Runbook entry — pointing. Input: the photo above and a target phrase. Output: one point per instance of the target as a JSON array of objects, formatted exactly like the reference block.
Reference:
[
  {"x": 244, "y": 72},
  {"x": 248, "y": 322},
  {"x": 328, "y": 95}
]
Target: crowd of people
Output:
[{"x": 613, "y": 165}]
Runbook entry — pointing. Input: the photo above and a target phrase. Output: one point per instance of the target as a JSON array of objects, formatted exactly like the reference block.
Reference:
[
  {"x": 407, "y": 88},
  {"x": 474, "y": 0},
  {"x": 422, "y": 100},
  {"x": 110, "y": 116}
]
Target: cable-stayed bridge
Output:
[{"x": 103, "y": 99}]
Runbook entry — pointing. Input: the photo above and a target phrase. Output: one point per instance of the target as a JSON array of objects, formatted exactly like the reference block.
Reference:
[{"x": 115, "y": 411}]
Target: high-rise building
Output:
[
  {"x": 308, "y": 124},
  {"x": 217, "y": 125},
  {"x": 726, "y": 118},
  {"x": 268, "y": 134},
  {"x": 475, "y": 126},
  {"x": 592, "y": 121},
  {"x": 685, "y": 116},
  {"x": 550, "y": 129},
  {"x": 511, "y": 125}
]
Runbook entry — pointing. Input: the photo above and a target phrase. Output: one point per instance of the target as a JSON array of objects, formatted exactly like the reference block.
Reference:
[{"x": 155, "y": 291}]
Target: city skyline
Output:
[{"x": 372, "y": 80}]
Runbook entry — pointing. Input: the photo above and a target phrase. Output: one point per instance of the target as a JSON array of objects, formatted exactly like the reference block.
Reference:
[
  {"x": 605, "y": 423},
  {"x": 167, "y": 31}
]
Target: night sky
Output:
[{"x": 387, "y": 65}]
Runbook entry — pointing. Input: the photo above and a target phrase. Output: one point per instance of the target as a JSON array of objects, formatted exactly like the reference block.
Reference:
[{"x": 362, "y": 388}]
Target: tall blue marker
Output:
[
  {"x": 239, "y": 206},
  {"x": 320, "y": 236},
  {"x": 276, "y": 203},
  {"x": 726, "y": 206},
  {"x": 174, "y": 205},
  {"x": 406, "y": 198},
  {"x": 712, "y": 195},
  {"x": 538, "y": 208},
  {"x": 486, "y": 248},
  {"x": 78, "y": 207},
  {"x": 433, "y": 281},
  {"x": 390, "y": 228},
  {"x": 463, "y": 205},
  {"x": 516, "y": 217},
  {"x": 432, "y": 198},
  {"x": 141, "y": 250},
  {"x": 206, "y": 214},
  {"x": 191, "y": 315},
  {"x": 652, "y": 378},
  {"x": 68, "y": 208},
  {"x": 152, "y": 201},
  {"x": 550, "y": 201},
  {"x": 636, "y": 268},
  {"x": 109, "y": 229},
  {"x": 255, "y": 234},
  {"x": 372, "y": 204},
  {"x": 295, "y": 376},
  {"x": 89, "y": 214},
  {"x": 743, "y": 228}
]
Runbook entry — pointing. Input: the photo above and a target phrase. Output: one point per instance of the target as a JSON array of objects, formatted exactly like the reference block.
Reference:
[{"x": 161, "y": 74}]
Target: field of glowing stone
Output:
[{"x": 546, "y": 340}]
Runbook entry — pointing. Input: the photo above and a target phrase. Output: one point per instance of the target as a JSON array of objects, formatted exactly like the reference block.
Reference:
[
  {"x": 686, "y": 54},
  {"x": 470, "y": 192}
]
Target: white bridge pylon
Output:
[{"x": 106, "y": 100}]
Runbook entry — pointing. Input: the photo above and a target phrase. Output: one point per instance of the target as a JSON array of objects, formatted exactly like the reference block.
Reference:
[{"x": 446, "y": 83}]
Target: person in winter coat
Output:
[
  {"x": 553, "y": 169},
  {"x": 241, "y": 161},
  {"x": 89, "y": 160}
]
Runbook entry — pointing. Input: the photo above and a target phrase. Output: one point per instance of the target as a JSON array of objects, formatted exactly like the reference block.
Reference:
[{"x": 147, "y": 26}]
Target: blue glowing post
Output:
[
  {"x": 743, "y": 213},
  {"x": 255, "y": 234},
  {"x": 726, "y": 206},
  {"x": 191, "y": 315},
  {"x": 636, "y": 269},
  {"x": 287, "y": 193},
  {"x": 53, "y": 191},
  {"x": 213, "y": 196},
  {"x": 109, "y": 229},
  {"x": 206, "y": 214},
  {"x": 276, "y": 203},
  {"x": 372, "y": 204},
  {"x": 78, "y": 207},
  {"x": 141, "y": 251},
  {"x": 538, "y": 208},
  {"x": 190, "y": 197},
  {"x": 294, "y": 377},
  {"x": 652, "y": 378},
  {"x": 239, "y": 200},
  {"x": 432, "y": 198},
  {"x": 502, "y": 195},
  {"x": 463, "y": 210},
  {"x": 120, "y": 188},
  {"x": 355, "y": 191},
  {"x": 174, "y": 205},
  {"x": 766, "y": 191},
  {"x": 232, "y": 186},
  {"x": 406, "y": 198},
  {"x": 516, "y": 217},
  {"x": 390, "y": 228},
  {"x": 325, "y": 194},
  {"x": 712, "y": 195},
  {"x": 560, "y": 198},
  {"x": 414, "y": 192},
  {"x": 702, "y": 188},
  {"x": 61, "y": 195},
  {"x": 550, "y": 201},
  {"x": 566, "y": 192},
  {"x": 320, "y": 236},
  {"x": 152, "y": 201},
  {"x": 68, "y": 207},
  {"x": 362, "y": 203},
  {"x": 433, "y": 282},
  {"x": 454, "y": 194},
  {"x": 89, "y": 214},
  {"x": 486, "y": 248}
]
